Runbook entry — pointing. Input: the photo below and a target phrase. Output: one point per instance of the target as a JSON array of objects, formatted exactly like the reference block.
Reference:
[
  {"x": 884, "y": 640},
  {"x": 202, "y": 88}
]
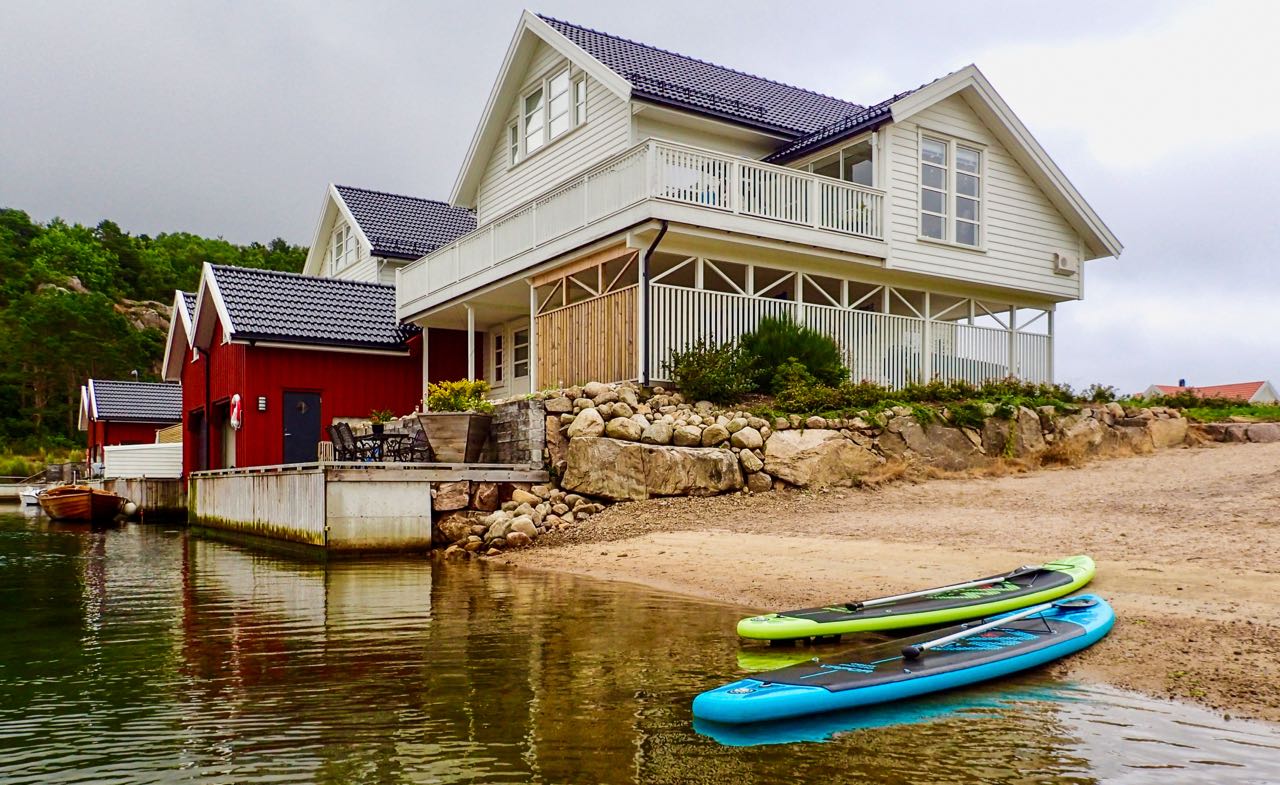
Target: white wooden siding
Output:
[
  {"x": 1022, "y": 228},
  {"x": 606, "y": 132},
  {"x": 649, "y": 124},
  {"x": 143, "y": 460}
]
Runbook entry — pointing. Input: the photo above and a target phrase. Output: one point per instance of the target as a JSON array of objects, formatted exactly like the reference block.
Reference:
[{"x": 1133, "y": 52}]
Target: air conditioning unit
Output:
[{"x": 1065, "y": 264}]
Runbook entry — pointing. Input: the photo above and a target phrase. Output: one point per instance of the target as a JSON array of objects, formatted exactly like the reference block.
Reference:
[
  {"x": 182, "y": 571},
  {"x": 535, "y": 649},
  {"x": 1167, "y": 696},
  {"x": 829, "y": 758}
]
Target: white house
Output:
[{"x": 629, "y": 200}]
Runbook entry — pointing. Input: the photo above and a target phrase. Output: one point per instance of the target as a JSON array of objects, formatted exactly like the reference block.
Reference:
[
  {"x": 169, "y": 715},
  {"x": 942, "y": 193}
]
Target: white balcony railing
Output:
[{"x": 653, "y": 169}]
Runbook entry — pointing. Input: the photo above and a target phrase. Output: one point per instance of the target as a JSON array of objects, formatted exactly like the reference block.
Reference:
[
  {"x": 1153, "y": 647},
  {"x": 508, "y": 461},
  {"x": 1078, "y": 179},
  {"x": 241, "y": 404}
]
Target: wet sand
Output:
[{"x": 1187, "y": 543}]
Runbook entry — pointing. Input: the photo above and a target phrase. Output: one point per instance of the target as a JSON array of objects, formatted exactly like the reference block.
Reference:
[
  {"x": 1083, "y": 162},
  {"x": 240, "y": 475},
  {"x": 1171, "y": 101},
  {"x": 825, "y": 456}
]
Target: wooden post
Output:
[
  {"x": 426, "y": 366},
  {"x": 471, "y": 341}
]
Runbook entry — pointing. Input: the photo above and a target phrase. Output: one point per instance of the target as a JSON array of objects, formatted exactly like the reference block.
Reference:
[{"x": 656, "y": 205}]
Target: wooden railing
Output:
[
  {"x": 651, "y": 170},
  {"x": 885, "y": 348},
  {"x": 591, "y": 340}
]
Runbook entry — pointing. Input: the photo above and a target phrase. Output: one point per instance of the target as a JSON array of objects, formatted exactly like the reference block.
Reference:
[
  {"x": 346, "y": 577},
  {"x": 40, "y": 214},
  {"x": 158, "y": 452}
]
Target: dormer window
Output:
[
  {"x": 547, "y": 112},
  {"x": 342, "y": 247},
  {"x": 854, "y": 164}
]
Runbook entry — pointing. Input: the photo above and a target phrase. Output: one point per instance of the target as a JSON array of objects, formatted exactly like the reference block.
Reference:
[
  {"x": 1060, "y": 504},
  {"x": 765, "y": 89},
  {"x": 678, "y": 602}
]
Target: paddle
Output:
[
  {"x": 914, "y": 651},
  {"x": 1020, "y": 571}
]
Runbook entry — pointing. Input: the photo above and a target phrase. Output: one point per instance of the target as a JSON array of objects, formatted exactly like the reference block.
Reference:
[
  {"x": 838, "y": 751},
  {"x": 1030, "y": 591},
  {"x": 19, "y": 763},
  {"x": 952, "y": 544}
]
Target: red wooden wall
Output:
[{"x": 109, "y": 434}]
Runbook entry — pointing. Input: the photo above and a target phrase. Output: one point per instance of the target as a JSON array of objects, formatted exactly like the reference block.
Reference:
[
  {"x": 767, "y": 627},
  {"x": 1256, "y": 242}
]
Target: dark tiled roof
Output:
[
  {"x": 189, "y": 300},
  {"x": 667, "y": 77},
  {"x": 405, "y": 227},
  {"x": 287, "y": 307},
  {"x": 137, "y": 401}
]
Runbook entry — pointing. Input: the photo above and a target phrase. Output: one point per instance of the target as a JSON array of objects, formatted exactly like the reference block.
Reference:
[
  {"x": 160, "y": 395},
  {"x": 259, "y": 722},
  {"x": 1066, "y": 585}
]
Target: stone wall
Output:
[
  {"x": 1263, "y": 432},
  {"x": 518, "y": 434}
]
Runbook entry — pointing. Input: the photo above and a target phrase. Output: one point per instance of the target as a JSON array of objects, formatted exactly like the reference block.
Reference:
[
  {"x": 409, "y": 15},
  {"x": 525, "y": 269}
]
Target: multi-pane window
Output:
[
  {"x": 853, "y": 163},
  {"x": 498, "y": 365},
  {"x": 520, "y": 353},
  {"x": 950, "y": 191},
  {"x": 547, "y": 112},
  {"x": 342, "y": 251}
]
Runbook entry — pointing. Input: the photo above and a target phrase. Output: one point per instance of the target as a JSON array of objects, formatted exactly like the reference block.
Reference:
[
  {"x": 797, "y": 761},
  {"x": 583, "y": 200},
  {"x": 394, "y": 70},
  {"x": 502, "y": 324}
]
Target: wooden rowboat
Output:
[{"x": 80, "y": 503}]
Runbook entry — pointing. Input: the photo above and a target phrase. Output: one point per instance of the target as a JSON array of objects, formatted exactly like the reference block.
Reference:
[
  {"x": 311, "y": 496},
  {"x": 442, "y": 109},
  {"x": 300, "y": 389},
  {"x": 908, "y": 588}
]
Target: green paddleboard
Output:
[{"x": 972, "y": 599}]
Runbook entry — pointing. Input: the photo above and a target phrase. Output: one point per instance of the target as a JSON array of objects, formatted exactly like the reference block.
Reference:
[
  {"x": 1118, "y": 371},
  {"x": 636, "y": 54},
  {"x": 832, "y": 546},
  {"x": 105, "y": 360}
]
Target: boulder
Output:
[
  {"x": 750, "y": 461},
  {"x": 451, "y": 496},
  {"x": 816, "y": 457},
  {"x": 518, "y": 539},
  {"x": 594, "y": 389},
  {"x": 759, "y": 482},
  {"x": 1167, "y": 433},
  {"x": 625, "y": 471},
  {"x": 454, "y": 528},
  {"x": 557, "y": 441},
  {"x": 1077, "y": 431},
  {"x": 558, "y": 405},
  {"x": 1017, "y": 437},
  {"x": 484, "y": 496},
  {"x": 658, "y": 433},
  {"x": 937, "y": 445},
  {"x": 815, "y": 422},
  {"x": 523, "y": 524},
  {"x": 1264, "y": 432},
  {"x": 587, "y": 423},
  {"x": 747, "y": 438},
  {"x": 623, "y": 428},
  {"x": 687, "y": 436},
  {"x": 521, "y": 496},
  {"x": 736, "y": 424},
  {"x": 714, "y": 434}
]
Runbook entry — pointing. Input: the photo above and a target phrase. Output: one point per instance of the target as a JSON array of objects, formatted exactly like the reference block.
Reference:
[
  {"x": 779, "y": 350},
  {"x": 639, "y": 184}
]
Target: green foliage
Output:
[
  {"x": 381, "y": 416},
  {"x": 717, "y": 373},
  {"x": 60, "y": 285},
  {"x": 460, "y": 396},
  {"x": 1218, "y": 412},
  {"x": 1099, "y": 393},
  {"x": 779, "y": 340}
]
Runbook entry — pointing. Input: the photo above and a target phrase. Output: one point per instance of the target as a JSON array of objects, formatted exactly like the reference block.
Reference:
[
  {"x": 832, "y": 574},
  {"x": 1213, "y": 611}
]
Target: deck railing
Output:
[
  {"x": 654, "y": 169},
  {"x": 885, "y": 348}
]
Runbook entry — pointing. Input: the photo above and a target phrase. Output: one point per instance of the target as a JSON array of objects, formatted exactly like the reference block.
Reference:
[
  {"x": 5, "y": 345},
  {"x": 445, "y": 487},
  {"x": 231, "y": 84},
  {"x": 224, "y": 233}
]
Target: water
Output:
[{"x": 145, "y": 655}]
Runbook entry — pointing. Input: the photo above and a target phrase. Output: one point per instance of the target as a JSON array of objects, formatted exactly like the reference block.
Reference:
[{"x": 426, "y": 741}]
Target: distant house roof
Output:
[
  {"x": 1241, "y": 391},
  {"x": 667, "y": 77},
  {"x": 134, "y": 401},
  {"x": 405, "y": 227},
  {"x": 265, "y": 305},
  {"x": 189, "y": 300}
]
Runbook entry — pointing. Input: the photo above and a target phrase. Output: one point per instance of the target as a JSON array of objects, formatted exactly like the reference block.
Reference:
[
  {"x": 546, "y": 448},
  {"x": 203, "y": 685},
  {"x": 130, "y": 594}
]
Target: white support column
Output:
[
  {"x": 926, "y": 333},
  {"x": 533, "y": 338},
  {"x": 426, "y": 366},
  {"x": 642, "y": 303},
  {"x": 799, "y": 298},
  {"x": 1013, "y": 340},
  {"x": 471, "y": 341},
  {"x": 1049, "y": 348}
]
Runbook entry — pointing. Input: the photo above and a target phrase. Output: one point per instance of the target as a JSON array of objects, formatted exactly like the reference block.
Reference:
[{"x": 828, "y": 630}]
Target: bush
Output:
[
  {"x": 460, "y": 396},
  {"x": 720, "y": 374},
  {"x": 777, "y": 341}
]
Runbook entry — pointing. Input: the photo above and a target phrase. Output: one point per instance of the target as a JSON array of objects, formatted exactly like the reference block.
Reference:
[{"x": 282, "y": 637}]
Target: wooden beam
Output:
[{"x": 585, "y": 263}]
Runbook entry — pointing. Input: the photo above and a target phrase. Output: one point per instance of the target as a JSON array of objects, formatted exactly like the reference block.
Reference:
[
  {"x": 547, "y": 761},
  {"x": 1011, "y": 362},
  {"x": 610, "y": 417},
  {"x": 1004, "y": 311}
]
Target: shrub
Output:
[
  {"x": 778, "y": 340},
  {"x": 460, "y": 396},
  {"x": 1099, "y": 393},
  {"x": 717, "y": 373}
]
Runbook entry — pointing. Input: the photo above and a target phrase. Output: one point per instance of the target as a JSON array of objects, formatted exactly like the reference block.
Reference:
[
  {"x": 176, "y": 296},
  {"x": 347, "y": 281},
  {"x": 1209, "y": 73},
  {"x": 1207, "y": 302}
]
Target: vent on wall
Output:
[{"x": 1065, "y": 264}]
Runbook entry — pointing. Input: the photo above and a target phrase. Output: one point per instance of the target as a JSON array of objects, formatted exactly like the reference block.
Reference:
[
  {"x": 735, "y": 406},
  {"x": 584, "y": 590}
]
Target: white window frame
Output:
[
  {"x": 515, "y": 345},
  {"x": 951, "y": 195},
  {"x": 575, "y": 113},
  {"x": 875, "y": 159},
  {"x": 341, "y": 260},
  {"x": 497, "y": 356}
]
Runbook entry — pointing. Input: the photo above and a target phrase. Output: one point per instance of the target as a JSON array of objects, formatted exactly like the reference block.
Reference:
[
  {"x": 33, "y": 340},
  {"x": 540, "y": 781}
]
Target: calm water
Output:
[{"x": 147, "y": 655}]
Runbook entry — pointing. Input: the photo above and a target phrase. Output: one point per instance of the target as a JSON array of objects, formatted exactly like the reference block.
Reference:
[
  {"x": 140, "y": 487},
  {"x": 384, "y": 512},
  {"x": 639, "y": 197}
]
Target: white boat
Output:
[{"x": 30, "y": 495}]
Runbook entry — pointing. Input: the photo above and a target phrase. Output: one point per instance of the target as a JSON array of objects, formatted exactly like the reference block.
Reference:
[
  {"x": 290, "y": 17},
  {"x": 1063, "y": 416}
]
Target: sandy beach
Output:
[{"x": 1187, "y": 543}]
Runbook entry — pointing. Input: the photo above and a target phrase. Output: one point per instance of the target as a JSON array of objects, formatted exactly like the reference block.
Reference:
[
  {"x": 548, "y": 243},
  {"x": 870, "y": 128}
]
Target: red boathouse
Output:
[{"x": 114, "y": 413}]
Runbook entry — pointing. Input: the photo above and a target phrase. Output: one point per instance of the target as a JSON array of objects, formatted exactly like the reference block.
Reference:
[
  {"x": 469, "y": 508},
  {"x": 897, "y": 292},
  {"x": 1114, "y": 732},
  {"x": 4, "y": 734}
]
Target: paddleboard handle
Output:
[{"x": 1026, "y": 569}]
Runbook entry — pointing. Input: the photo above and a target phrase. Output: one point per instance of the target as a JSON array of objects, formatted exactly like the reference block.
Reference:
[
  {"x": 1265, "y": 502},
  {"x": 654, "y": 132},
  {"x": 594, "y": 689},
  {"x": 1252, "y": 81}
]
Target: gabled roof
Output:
[
  {"x": 1242, "y": 391},
  {"x": 179, "y": 338},
  {"x": 845, "y": 127},
  {"x": 667, "y": 77},
  {"x": 189, "y": 303},
  {"x": 275, "y": 307},
  {"x": 405, "y": 227},
  {"x": 116, "y": 401}
]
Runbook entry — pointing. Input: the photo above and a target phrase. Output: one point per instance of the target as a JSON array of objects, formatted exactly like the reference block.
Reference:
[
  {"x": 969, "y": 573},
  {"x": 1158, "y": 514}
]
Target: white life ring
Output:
[{"x": 237, "y": 412}]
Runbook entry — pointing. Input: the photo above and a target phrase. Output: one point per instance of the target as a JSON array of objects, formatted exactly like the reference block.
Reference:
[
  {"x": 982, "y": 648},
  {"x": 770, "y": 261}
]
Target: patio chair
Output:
[
  {"x": 413, "y": 448},
  {"x": 348, "y": 447}
]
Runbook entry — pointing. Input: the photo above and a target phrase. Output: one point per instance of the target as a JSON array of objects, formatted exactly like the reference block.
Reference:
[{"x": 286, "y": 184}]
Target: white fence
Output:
[
  {"x": 650, "y": 170},
  {"x": 884, "y": 348},
  {"x": 131, "y": 461}
]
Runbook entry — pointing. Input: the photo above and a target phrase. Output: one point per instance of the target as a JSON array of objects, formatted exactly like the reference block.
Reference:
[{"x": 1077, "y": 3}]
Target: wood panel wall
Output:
[{"x": 590, "y": 341}]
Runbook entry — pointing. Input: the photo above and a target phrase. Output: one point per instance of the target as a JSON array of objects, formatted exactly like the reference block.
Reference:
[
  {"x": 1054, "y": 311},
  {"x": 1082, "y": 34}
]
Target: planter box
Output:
[{"x": 456, "y": 437}]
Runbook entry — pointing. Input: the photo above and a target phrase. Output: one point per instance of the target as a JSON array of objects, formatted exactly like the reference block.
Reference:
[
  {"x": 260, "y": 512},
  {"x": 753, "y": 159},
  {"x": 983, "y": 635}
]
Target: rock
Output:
[
  {"x": 1076, "y": 431},
  {"x": 757, "y": 423},
  {"x": 658, "y": 433},
  {"x": 493, "y": 552},
  {"x": 759, "y": 482},
  {"x": 1018, "y": 437},
  {"x": 573, "y": 500},
  {"x": 523, "y": 524},
  {"x": 566, "y": 419},
  {"x": 1048, "y": 414},
  {"x": 558, "y": 405},
  {"x": 520, "y": 496},
  {"x": 587, "y": 423},
  {"x": 625, "y": 471},
  {"x": 628, "y": 396},
  {"x": 687, "y": 436},
  {"x": 747, "y": 438},
  {"x": 781, "y": 424},
  {"x": 750, "y": 461},
  {"x": 1264, "y": 432},
  {"x": 1167, "y": 433},
  {"x": 736, "y": 424},
  {"x": 583, "y": 403},
  {"x": 1116, "y": 410},
  {"x": 641, "y": 420},
  {"x": 497, "y": 530},
  {"x": 609, "y": 396},
  {"x": 451, "y": 496},
  {"x": 524, "y": 509},
  {"x": 714, "y": 435},
  {"x": 454, "y": 528},
  {"x": 453, "y": 552},
  {"x": 623, "y": 428},
  {"x": 519, "y": 539},
  {"x": 473, "y": 545},
  {"x": 816, "y": 457},
  {"x": 594, "y": 389},
  {"x": 557, "y": 441},
  {"x": 484, "y": 496},
  {"x": 937, "y": 445},
  {"x": 815, "y": 422}
]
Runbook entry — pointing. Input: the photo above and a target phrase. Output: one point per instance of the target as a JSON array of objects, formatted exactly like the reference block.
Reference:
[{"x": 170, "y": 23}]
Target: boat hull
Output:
[
  {"x": 867, "y": 676},
  {"x": 80, "y": 503}
]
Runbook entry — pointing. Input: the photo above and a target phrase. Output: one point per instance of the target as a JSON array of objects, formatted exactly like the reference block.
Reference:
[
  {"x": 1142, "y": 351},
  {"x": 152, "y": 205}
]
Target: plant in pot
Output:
[
  {"x": 457, "y": 419},
  {"x": 378, "y": 420}
]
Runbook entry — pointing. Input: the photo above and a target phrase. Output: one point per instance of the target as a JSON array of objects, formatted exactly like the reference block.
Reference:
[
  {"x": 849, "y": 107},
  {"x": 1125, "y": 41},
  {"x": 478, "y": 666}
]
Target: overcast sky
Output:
[{"x": 229, "y": 119}]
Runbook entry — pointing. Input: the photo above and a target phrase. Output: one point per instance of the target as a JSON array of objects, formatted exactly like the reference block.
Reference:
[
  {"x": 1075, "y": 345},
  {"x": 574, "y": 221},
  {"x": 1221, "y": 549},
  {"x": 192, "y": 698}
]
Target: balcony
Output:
[{"x": 770, "y": 199}]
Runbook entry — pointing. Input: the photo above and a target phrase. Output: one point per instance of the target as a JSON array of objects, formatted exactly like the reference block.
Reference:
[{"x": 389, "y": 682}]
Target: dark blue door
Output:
[{"x": 301, "y": 426}]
